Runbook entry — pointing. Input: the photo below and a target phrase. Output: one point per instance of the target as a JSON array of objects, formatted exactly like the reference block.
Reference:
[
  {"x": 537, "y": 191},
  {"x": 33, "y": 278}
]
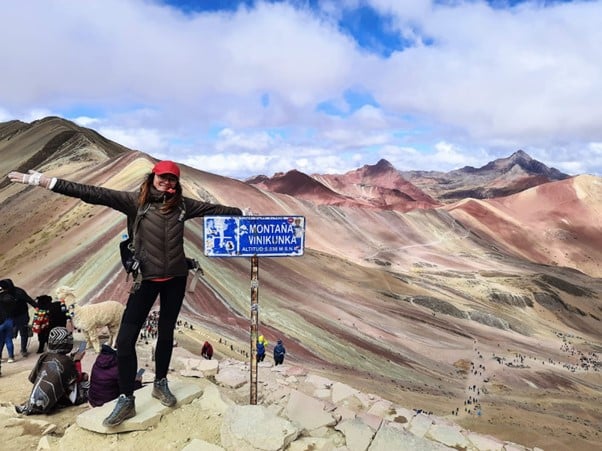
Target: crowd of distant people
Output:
[{"x": 577, "y": 360}]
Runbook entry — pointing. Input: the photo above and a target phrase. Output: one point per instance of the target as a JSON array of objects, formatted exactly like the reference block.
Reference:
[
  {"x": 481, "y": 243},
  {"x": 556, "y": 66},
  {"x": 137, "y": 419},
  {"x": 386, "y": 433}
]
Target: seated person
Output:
[
  {"x": 207, "y": 351},
  {"x": 104, "y": 381},
  {"x": 57, "y": 377}
]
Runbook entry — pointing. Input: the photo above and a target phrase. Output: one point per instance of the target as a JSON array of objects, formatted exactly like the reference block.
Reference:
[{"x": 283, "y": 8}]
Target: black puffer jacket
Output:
[{"x": 159, "y": 240}]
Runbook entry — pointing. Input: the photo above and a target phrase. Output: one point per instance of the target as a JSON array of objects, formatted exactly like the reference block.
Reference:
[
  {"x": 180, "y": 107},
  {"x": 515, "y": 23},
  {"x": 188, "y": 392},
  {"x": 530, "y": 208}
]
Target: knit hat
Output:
[
  {"x": 166, "y": 167},
  {"x": 60, "y": 340}
]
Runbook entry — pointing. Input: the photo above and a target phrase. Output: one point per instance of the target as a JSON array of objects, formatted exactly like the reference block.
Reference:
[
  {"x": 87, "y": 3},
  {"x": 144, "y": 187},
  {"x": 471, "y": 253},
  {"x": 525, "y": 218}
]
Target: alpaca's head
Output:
[{"x": 66, "y": 294}]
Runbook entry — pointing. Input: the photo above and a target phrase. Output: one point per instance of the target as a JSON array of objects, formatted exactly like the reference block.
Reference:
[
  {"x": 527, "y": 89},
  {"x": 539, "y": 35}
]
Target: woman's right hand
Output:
[
  {"x": 33, "y": 178},
  {"x": 18, "y": 177}
]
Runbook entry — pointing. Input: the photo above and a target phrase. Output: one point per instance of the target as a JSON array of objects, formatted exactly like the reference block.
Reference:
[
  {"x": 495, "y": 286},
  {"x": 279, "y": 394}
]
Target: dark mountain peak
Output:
[
  {"x": 519, "y": 159},
  {"x": 293, "y": 182},
  {"x": 382, "y": 167},
  {"x": 294, "y": 175},
  {"x": 497, "y": 178},
  {"x": 383, "y": 164},
  {"x": 520, "y": 155}
]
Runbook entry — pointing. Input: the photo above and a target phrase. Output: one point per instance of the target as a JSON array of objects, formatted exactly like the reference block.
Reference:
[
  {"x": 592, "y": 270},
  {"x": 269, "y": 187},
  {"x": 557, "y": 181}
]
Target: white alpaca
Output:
[{"x": 89, "y": 318}]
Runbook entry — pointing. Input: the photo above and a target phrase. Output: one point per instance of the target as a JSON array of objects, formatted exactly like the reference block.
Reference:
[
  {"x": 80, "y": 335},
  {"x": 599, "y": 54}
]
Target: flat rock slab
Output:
[{"x": 148, "y": 409}]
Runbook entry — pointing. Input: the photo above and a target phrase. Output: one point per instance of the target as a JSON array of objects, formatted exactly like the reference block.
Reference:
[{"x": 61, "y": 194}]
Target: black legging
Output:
[{"x": 171, "y": 295}]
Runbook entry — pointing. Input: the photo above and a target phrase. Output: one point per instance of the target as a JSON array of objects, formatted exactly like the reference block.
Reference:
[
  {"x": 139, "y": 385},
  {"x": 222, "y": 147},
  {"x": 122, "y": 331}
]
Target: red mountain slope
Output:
[
  {"x": 375, "y": 186},
  {"x": 557, "y": 223}
]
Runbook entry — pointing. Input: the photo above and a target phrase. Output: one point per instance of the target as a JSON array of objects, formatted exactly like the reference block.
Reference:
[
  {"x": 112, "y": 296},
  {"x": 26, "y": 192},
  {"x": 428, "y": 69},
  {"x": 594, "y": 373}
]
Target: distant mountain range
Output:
[
  {"x": 379, "y": 186},
  {"x": 383, "y": 186},
  {"x": 402, "y": 272}
]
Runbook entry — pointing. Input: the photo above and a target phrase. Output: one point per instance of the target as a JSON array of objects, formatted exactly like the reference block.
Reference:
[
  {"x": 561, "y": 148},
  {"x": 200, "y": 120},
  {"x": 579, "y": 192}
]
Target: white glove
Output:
[
  {"x": 33, "y": 178},
  {"x": 247, "y": 212}
]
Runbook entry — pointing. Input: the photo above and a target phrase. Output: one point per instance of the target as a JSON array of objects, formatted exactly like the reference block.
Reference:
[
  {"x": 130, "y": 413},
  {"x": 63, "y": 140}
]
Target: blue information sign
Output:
[{"x": 248, "y": 236}]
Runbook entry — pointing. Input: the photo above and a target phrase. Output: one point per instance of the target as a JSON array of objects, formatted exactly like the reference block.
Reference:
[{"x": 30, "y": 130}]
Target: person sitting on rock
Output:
[
  {"x": 104, "y": 378},
  {"x": 57, "y": 377},
  {"x": 207, "y": 351}
]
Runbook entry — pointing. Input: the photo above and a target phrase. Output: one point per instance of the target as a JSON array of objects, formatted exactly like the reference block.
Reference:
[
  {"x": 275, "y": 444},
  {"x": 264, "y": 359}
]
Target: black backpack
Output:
[{"x": 126, "y": 247}]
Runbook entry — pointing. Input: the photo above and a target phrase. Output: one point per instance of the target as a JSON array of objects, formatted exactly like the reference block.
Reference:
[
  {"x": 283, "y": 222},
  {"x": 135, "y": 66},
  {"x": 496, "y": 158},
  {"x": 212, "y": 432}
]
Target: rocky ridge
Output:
[{"x": 296, "y": 411}]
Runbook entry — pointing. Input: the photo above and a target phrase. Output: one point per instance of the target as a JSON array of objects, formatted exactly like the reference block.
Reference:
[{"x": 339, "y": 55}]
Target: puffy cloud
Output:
[{"x": 470, "y": 83}]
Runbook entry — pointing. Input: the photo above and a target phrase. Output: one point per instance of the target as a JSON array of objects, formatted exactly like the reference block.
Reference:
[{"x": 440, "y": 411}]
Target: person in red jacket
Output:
[
  {"x": 207, "y": 350},
  {"x": 158, "y": 239}
]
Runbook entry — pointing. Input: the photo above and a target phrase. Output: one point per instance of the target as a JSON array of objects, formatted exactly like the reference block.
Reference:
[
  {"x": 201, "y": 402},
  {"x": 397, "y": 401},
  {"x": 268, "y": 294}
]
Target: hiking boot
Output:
[
  {"x": 162, "y": 393},
  {"x": 23, "y": 409},
  {"x": 124, "y": 409}
]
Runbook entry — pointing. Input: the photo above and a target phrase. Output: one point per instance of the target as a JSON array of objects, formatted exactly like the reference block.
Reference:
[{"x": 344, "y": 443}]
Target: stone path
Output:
[{"x": 296, "y": 411}]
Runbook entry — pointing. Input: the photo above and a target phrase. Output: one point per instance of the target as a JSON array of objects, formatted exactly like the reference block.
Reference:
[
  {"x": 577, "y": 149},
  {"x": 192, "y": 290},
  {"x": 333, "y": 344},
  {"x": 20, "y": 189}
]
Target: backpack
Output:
[
  {"x": 41, "y": 322},
  {"x": 126, "y": 247}
]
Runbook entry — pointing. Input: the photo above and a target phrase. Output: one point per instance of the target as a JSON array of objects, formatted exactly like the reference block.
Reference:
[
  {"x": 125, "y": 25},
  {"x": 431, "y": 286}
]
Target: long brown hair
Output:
[{"x": 171, "y": 202}]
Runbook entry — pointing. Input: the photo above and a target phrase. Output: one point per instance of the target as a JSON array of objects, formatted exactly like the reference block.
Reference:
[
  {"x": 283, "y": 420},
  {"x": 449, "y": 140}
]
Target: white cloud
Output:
[
  {"x": 228, "y": 139},
  {"x": 479, "y": 84},
  {"x": 148, "y": 140},
  {"x": 86, "y": 121},
  {"x": 226, "y": 165},
  {"x": 353, "y": 138},
  {"x": 445, "y": 157},
  {"x": 529, "y": 74}
]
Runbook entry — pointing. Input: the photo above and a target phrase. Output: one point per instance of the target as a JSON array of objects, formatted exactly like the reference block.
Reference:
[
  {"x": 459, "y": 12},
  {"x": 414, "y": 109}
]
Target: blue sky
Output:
[{"x": 241, "y": 88}]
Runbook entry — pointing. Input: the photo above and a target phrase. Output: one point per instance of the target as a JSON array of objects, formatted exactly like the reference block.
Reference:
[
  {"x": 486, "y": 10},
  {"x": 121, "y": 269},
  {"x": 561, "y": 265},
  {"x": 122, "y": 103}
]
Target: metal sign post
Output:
[
  {"x": 254, "y": 236},
  {"x": 254, "y": 327}
]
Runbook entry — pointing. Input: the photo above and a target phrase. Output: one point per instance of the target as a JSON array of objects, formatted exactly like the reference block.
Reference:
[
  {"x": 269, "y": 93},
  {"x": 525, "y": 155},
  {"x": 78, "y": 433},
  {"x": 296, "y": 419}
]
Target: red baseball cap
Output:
[{"x": 166, "y": 167}]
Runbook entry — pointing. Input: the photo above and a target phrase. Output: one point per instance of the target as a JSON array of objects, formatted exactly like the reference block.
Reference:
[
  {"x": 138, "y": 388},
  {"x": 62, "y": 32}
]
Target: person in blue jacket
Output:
[
  {"x": 279, "y": 352},
  {"x": 260, "y": 351}
]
